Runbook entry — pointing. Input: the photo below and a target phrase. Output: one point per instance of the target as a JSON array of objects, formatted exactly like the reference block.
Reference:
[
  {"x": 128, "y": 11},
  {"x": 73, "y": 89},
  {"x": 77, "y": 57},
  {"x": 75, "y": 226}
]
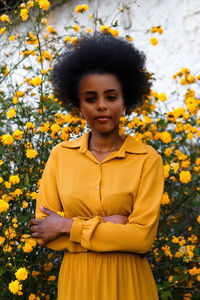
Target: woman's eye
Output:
[
  {"x": 90, "y": 99},
  {"x": 111, "y": 97}
]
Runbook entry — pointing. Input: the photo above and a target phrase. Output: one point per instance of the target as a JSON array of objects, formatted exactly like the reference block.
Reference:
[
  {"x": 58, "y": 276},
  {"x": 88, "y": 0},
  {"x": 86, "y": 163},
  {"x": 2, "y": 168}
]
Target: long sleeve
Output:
[
  {"x": 139, "y": 233},
  {"x": 49, "y": 198}
]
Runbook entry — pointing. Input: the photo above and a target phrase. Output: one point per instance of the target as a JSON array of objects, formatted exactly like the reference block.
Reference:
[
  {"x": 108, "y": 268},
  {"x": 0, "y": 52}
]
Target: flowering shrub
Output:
[{"x": 32, "y": 122}]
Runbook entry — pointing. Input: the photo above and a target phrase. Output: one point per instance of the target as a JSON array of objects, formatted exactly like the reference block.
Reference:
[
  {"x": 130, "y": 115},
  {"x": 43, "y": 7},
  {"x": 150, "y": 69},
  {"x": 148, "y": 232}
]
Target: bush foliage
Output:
[{"x": 32, "y": 122}]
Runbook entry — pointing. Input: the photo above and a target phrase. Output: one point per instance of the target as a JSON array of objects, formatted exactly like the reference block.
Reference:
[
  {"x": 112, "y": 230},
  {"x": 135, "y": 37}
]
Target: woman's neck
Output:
[{"x": 105, "y": 143}]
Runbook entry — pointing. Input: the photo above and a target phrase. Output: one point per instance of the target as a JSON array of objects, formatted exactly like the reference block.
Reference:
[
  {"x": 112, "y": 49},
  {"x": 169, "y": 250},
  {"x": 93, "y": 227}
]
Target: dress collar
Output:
[{"x": 129, "y": 145}]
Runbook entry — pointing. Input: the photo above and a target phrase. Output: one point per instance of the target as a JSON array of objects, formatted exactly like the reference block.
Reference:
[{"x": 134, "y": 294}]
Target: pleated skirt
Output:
[{"x": 106, "y": 276}]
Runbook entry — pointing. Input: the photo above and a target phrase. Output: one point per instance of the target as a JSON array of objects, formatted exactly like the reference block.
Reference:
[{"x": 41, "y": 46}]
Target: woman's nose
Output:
[{"x": 101, "y": 104}]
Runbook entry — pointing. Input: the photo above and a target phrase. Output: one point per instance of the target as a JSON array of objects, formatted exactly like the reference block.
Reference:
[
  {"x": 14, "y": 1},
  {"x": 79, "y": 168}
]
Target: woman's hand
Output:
[
  {"x": 117, "y": 219},
  {"x": 51, "y": 227}
]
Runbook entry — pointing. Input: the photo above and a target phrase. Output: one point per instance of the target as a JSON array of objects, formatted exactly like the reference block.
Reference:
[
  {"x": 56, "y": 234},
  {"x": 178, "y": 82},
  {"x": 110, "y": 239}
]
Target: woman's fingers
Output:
[
  {"x": 34, "y": 228},
  {"x": 47, "y": 212},
  {"x": 36, "y": 221}
]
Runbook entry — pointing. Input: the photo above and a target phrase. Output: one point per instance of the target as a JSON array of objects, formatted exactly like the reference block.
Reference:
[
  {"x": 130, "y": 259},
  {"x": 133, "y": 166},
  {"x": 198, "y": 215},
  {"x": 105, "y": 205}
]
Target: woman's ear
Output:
[
  {"x": 124, "y": 110},
  {"x": 80, "y": 114}
]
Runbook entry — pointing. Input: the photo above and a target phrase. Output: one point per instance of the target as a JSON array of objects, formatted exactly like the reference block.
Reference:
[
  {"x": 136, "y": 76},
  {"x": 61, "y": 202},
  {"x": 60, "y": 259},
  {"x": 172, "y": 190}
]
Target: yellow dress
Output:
[{"x": 104, "y": 261}]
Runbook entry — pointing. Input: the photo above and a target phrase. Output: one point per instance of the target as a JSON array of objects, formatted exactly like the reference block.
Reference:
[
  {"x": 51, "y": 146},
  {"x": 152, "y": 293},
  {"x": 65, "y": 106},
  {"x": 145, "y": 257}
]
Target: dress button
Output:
[
  {"x": 97, "y": 187},
  {"x": 98, "y": 165}
]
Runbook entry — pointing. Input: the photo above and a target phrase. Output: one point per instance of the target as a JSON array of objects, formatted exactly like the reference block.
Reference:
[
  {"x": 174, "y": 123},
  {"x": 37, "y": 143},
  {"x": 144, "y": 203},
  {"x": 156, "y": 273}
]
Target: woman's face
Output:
[{"x": 101, "y": 102}]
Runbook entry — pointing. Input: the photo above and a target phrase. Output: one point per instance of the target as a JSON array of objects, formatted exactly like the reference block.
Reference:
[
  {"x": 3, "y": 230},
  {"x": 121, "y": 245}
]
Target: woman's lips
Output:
[{"x": 103, "y": 118}]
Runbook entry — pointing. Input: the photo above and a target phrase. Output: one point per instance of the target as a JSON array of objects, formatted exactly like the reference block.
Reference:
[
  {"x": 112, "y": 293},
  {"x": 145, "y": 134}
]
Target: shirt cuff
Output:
[{"x": 76, "y": 230}]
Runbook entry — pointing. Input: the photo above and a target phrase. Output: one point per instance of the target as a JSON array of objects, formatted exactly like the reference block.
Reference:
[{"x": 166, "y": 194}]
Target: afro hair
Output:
[{"x": 103, "y": 54}]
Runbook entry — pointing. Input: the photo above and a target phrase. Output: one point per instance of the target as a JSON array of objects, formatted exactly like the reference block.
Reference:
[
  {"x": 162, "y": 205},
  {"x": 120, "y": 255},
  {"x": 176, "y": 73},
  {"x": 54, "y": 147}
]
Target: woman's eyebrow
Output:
[
  {"x": 90, "y": 92},
  {"x": 106, "y": 91},
  {"x": 110, "y": 90}
]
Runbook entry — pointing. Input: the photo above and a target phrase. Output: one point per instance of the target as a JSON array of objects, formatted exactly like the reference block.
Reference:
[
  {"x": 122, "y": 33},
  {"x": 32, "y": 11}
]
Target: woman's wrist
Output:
[{"x": 66, "y": 225}]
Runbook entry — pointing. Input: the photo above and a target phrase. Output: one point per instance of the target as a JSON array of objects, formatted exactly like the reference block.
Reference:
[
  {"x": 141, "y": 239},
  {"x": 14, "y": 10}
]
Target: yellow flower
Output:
[
  {"x": 30, "y": 125},
  {"x": 35, "y": 274},
  {"x": 154, "y": 41},
  {"x": 18, "y": 192},
  {"x": 55, "y": 127},
  {"x": 34, "y": 195},
  {"x": 171, "y": 278},
  {"x": 46, "y": 55},
  {"x": 4, "y": 18},
  {"x": 24, "y": 205},
  {"x": 15, "y": 287},
  {"x": 11, "y": 38},
  {"x": 74, "y": 40},
  {"x": 88, "y": 30},
  {"x": 194, "y": 271},
  {"x": 175, "y": 167},
  {"x": 129, "y": 38},
  {"x": 24, "y": 14},
  {"x": 191, "y": 78},
  {"x": 43, "y": 4},
  {"x": 67, "y": 39},
  {"x": 4, "y": 206},
  {"x": 2, "y": 30},
  {"x": 105, "y": 29},
  {"x": 167, "y": 251},
  {"x": 114, "y": 32},
  {"x": 61, "y": 213},
  {"x": 2, "y": 240},
  {"x": 10, "y": 233},
  {"x": 166, "y": 137},
  {"x": 1, "y": 179},
  {"x": 185, "y": 176},
  {"x": 31, "y": 153},
  {"x": 44, "y": 21},
  {"x": 52, "y": 278},
  {"x": 166, "y": 171},
  {"x": 43, "y": 71},
  {"x": 18, "y": 134},
  {"x": 79, "y": 9},
  {"x": 32, "y": 39},
  {"x": 44, "y": 127},
  {"x": 21, "y": 274},
  {"x": 36, "y": 81},
  {"x": 7, "y": 248},
  {"x": 7, "y": 184},
  {"x": 48, "y": 266},
  {"x": 5, "y": 71},
  {"x": 11, "y": 113},
  {"x": 198, "y": 219},
  {"x": 76, "y": 28},
  {"x": 65, "y": 133},
  {"x": 32, "y": 297},
  {"x": 180, "y": 155},
  {"x": 168, "y": 152},
  {"x": 19, "y": 93},
  {"x": 165, "y": 199},
  {"x": 157, "y": 29},
  {"x": 14, "y": 179},
  {"x": 192, "y": 105},
  {"x": 185, "y": 164},
  {"x": 162, "y": 97},
  {"x": 50, "y": 29},
  {"x": 7, "y": 139}
]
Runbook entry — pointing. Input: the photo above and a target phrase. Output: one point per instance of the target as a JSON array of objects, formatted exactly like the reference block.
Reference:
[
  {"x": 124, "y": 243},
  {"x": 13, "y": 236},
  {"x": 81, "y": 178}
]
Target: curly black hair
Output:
[{"x": 103, "y": 54}]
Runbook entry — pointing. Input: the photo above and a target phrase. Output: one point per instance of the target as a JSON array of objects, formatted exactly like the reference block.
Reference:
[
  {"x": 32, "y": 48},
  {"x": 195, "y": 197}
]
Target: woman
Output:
[{"x": 109, "y": 187}]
